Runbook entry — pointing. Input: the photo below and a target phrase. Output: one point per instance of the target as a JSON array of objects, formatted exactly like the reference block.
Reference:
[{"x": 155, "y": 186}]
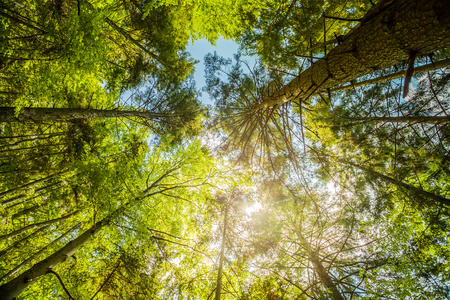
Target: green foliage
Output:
[
  {"x": 286, "y": 30},
  {"x": 324, "y": 197}
]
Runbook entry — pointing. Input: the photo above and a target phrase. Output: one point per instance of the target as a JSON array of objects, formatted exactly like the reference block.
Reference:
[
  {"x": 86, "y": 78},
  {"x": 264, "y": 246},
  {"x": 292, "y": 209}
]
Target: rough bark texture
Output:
[
  {"x": 39, "y": 114},
  {"x": 387, "y": 35}
]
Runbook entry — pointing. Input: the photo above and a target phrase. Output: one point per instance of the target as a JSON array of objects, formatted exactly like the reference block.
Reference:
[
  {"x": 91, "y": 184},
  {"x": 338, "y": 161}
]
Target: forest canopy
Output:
[{"x": 319, "y": 173}]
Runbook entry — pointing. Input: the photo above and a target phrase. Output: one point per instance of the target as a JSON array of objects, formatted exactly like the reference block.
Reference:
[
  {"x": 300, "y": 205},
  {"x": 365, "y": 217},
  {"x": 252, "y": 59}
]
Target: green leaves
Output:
[{"x": 112, "y": 190}]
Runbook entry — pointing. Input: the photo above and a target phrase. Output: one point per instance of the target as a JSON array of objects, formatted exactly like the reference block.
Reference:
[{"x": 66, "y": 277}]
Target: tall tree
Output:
[
  {"x": 172, "y": 178},
  {"x": 386, "y": 36}
]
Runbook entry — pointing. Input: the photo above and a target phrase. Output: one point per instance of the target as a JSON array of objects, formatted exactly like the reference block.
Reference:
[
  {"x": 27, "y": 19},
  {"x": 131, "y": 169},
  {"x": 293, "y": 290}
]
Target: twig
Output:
[
  {"x": 106, "y": 280},
  {"x": 343, "y": 19},
  {"x": 62, "y": 284}
]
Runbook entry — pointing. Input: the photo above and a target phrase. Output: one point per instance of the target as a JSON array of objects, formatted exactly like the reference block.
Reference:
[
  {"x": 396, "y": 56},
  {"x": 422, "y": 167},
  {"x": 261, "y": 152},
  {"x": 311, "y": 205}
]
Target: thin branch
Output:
[
  {"x": 106, "y": 280},
  {"x": 62, "y": 284},
  {"x": 343, "y": 19}
]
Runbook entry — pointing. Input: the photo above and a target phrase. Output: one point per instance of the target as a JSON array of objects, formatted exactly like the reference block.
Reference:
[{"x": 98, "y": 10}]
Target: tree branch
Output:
[{"x": 62, "y": 284}]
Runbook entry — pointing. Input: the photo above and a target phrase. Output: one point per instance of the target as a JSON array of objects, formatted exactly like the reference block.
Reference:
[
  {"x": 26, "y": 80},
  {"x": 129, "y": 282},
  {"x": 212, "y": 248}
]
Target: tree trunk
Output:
[
  {"x": 9, "y": 192},
  {"x": 133, "y": 41},
  {"x": 426, "y": 68},
  {"x": 66, "y": 114},
  {"x": 410, "y": 188},
  {"x": 35, "y": 226},
  {"x": 387, "y": 35},
  {"x": 35, "y": 255},
  {"x": 321, "y": 271},
  {"x": 13, "y": 288},
  {"x": 222, "y": 251},
  {"x": 402, "y": 119}
]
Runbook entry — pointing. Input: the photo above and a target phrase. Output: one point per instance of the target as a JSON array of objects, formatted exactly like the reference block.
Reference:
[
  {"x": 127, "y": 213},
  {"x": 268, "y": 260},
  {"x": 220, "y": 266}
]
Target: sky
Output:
[{"x": 198, "y": 50}]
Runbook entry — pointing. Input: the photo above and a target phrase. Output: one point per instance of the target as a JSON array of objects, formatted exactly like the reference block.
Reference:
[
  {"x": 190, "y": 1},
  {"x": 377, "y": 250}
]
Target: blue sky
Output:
[{"x": 199, "y": 49}]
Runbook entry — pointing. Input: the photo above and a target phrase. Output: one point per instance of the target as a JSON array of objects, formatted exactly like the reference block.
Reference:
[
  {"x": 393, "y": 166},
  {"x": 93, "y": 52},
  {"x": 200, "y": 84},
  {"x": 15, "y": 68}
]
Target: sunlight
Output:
[{"x": 254, "y": 208}]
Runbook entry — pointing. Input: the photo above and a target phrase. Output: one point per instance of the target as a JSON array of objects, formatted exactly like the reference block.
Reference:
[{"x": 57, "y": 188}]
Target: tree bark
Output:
[
  {"x": 35, "y": 226},
  {"x": 20, "y": 188},
  {"x": 417, "y": 191},
  {"x": 35, "y": 255},
  {"x": 222, "y": 251},
  {"x": 321, "y": 271},
  {"x": 426, "y": 68},
  {"x": 14, "y": 287},
  {"x": 387, "y": 35},
  {"x": 402, "y": 119},
  {"x": 39, "y": 114}
]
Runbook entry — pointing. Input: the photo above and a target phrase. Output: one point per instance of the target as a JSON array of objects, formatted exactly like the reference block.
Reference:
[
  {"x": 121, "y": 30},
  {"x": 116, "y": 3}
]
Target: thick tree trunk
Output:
[
  {"x": 388, "y": 34},
  {"x": 409, "y": 188},
  {"x": 66, "y": 114},
  {"x": 321, "y": 271}
]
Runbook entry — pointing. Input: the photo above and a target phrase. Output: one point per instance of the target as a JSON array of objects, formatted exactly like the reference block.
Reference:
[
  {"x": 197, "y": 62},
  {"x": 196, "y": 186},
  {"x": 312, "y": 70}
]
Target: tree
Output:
[
  {"x": 336, "y": 179},
  {"x": 373, "y": 45},
  {"x": 171, "y": 181}
]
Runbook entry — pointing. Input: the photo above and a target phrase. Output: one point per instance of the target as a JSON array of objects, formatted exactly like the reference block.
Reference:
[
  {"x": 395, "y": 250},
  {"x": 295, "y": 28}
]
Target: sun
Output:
[{"x": 254, "y": 208}]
